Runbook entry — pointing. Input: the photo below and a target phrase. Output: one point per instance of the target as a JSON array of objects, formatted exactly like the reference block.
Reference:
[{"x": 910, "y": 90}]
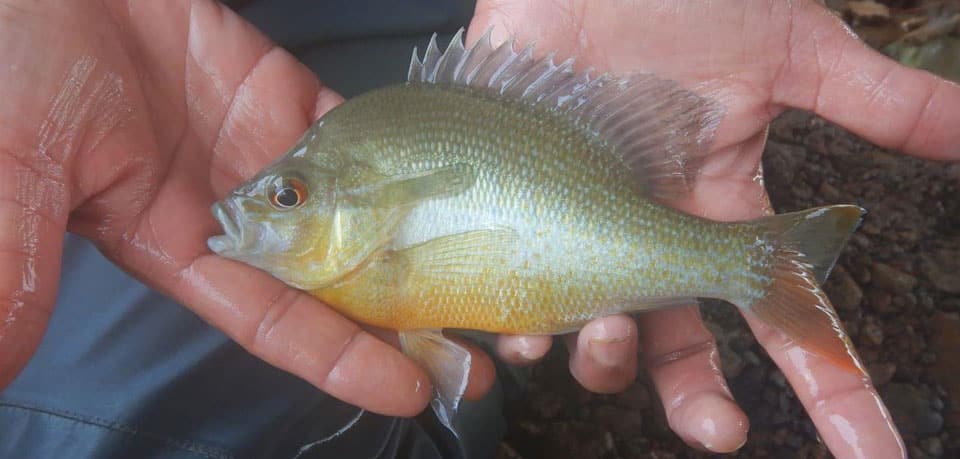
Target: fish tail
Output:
[{"x": 805, "y": 246}]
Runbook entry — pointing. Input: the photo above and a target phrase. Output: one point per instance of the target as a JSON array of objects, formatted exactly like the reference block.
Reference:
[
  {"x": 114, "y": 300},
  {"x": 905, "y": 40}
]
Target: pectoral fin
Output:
[
  {"x": 461, "y": 256},
  {"x": 448, "y": 364},
  {"x": 405, "y": 190}
]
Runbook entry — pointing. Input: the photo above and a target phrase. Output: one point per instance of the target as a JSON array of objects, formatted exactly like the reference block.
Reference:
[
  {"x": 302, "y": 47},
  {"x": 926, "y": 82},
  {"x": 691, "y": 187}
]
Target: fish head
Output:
[{"x": 281, "y": 221}]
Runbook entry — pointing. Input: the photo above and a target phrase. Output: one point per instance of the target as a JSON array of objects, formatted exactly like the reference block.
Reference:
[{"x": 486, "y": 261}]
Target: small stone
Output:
[
  {"x": 916, "y": 453},
  {"x": 662, "y": 454},
  {"x": 907, "y": 300},
  {"x": 949, "y": 304},
  {"x": 829, "y": 192},
  {"x": 902, "y": 304},
  {"x": 780, "y": 418},
  {"x": 869, "y": 11},
  {"x": 780, "y": 436},
  {"x": 636, "y": 447},
  {"x": 881, "y": 373},
  {"x": 530, "y": 428},
  {"x": 547, "y": 405},
  {"x": 932, "y": 446},
  {"x": 860, "y": 240},
  {"x": 505, "y": 451},
  {"x": 794, "y": 441},
  {"x": 837, "y": 5},
  {"x": 845, "y": 293},
  {"x": 938, "y": 403},
  {"x": 860, "y": 270},
  {"x": 944, "y": 344},
  {"x": 881, "y": 301},
  {"x": 813, "y": 451},
  {"x": 943, "y": 269},
  {"x": 801, "y": 190},
  {"x": 953, "y": 172},
  {"x": 928, "y": 358},
  {"x": 873, "y": 333},
  {"x": 575, "y": 439},
  {"x": 871, "y": 228},
  {"x": 626, "y": 423},
  {"x": 751, "y": 357},
  {"x": 777, "y": 377},
  {"x": 636, "y": 397},
  {"x": 732, "y": 364},
  {"x": 892, "y": 279},
  {"x": 912, "y": 409}
]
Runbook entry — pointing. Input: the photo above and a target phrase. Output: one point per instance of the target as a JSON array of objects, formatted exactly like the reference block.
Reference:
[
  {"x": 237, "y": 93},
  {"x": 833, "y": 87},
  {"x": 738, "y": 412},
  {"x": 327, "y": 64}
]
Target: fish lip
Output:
[{"x": 232, "y": 239}]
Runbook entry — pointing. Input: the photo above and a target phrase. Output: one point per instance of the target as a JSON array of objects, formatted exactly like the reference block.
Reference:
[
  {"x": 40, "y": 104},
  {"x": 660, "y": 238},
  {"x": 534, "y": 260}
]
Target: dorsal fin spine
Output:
[{"x": 658, "y": 130}]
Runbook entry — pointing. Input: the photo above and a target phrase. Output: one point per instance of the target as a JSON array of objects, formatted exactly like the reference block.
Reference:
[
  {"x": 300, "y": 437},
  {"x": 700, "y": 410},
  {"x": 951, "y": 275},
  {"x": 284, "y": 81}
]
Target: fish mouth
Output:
[{"x": 232, "y": 238}]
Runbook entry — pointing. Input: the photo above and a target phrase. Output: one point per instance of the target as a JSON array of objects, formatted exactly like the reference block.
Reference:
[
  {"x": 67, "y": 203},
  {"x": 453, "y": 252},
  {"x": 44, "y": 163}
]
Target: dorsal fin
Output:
[{"x": 659, "y": 130}]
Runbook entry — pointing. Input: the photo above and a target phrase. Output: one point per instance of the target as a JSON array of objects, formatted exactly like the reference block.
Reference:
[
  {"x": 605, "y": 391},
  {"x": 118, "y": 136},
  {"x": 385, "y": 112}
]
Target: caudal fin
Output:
[{"x": 806, "y": 246}]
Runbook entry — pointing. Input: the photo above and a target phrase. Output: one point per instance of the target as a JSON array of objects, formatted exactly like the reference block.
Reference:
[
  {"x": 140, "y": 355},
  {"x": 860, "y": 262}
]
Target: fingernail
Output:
[
  {"x": 526, "y": 350},
  {"x": 608, "y": 352},
  {"x": 718, "y": 425},
  {"x": 605, "y": 342}
]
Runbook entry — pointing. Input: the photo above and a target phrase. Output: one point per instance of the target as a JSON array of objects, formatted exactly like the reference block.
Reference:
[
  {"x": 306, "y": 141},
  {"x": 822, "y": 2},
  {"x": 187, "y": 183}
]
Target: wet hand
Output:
[
  {"x": 123, "y": 122},
  {"x": 757, "y": 58}
]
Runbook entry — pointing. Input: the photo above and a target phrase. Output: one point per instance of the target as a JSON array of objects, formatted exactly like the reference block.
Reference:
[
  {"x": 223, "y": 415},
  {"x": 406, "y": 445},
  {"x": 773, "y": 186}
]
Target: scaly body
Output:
[
  {"x": 498, "y": 192},
  {"x": 587, "y": 243}
]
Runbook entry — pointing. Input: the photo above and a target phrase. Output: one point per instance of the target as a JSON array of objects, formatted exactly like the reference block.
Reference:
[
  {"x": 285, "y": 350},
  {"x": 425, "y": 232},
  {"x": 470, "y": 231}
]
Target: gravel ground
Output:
[{"x": 896, "y": 287}]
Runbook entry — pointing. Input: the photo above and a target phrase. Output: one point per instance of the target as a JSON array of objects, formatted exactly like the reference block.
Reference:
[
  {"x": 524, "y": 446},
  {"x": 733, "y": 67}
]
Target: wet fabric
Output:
[{"x": 125, "y": 372}]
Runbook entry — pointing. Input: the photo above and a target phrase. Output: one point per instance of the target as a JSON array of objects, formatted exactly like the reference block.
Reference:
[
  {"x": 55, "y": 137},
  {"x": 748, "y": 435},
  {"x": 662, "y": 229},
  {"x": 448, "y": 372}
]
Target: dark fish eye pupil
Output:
[{"x": 288, "y": 197}]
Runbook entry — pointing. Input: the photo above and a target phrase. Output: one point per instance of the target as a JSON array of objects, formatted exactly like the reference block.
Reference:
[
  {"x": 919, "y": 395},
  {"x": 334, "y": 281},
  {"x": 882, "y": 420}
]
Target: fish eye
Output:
[{"x": 288, "y": 193}]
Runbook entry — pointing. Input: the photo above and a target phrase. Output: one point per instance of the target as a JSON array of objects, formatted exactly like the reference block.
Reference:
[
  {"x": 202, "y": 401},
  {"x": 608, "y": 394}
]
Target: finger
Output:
[
  {"x": 845, "y": 407},
  {"x": 523, "y": 350},
  {"x": 249, "y": 100},
  {"x": 683, "y": 362},
  {"x": 32, "y": 224},
  {"x": 603, "y": 354},
  {"x": 830, "y": 72},
  {"x": 297, "y": 333},
  {"x": 482, "y": 371}
]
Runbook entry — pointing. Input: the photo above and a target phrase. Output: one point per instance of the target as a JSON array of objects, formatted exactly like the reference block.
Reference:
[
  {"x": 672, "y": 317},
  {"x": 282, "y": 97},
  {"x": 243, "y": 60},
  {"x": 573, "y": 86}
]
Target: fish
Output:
[{"x": 500, "y": 192}]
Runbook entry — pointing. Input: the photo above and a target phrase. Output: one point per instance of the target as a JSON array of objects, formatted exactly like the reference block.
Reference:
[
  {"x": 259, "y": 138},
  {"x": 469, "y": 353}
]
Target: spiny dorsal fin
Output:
[{"x": 659, "y": 130}]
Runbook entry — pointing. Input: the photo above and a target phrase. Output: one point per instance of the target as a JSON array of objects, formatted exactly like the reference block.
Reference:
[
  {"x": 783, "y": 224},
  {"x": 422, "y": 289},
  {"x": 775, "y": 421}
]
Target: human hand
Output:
[
  {"x": 123, "y": 122},
  {"x": 757, "y": 58}
]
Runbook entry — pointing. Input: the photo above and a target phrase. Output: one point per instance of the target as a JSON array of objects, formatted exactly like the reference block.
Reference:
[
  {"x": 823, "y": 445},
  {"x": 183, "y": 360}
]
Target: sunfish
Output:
[{"x": 500, "y": 192}]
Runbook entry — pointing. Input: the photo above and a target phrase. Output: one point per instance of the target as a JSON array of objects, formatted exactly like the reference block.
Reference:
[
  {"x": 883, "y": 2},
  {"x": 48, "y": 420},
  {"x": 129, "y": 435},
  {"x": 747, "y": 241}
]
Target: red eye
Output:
[{"x": 288, "y": 193}]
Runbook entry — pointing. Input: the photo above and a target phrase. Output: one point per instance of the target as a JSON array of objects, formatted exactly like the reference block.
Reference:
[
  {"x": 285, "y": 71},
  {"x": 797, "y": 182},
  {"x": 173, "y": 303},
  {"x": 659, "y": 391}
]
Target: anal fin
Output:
[{"x": 448, "y": 365}]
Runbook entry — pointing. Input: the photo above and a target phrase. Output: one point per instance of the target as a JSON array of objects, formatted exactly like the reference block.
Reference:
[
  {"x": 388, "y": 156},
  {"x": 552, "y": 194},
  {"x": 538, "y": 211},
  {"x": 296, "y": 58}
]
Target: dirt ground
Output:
[{"x": 896, "y": 288}]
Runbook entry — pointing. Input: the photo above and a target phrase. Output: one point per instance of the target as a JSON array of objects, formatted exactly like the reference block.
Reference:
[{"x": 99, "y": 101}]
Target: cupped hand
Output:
[
  {"x": 123, "y": 121},
  {"x": 757, "y": 58}
]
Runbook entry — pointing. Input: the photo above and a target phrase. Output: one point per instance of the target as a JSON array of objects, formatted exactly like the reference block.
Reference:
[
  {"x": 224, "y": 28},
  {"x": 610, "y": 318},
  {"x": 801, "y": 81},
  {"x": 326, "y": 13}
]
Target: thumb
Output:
[
  {"x": 32, "y": 224},
  {"x": 829, "y": 71}
]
